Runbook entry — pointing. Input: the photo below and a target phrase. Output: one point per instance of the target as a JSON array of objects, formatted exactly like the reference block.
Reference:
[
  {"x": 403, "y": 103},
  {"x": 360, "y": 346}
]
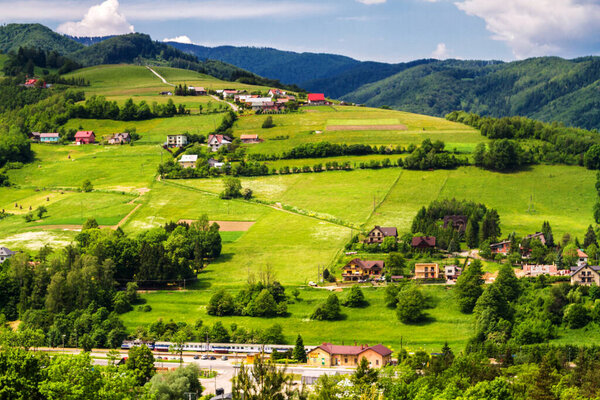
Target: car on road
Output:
[
  {"x": 224, "y": 358},
  {"x": 196, "y": 357},
  {"x": 213, "y": 357},
  {"x": 204, "y": 357}
]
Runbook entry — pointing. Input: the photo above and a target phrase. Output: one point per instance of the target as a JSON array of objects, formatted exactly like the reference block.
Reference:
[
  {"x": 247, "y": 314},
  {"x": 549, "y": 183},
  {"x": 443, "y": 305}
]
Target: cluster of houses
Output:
[
  {"x": 379, "y": 233},
  {"x": 214, "y": 142},
  {"x": 359, "y": 271},
  {"x": 81, "y": 137}
]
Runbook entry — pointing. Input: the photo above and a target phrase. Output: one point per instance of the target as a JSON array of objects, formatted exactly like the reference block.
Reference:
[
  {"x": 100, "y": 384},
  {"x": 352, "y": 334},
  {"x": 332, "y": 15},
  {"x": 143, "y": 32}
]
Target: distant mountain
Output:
[
  {"x": 13, "y": 36},
  {"x": 89, "y": 40},
  {"x": 545, "y": 88}
]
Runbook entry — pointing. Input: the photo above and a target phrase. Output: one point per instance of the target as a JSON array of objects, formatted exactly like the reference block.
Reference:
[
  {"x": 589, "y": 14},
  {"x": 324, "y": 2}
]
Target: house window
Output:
[
  {"x": 346, "y": 360},
  {"x": 376, "y": 362}
]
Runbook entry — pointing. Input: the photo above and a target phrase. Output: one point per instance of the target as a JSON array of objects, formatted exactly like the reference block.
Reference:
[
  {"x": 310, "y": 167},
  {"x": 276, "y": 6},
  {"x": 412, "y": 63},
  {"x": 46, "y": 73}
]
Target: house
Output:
[
  {"x": 33, "y": 82},
  {"x": 276, "y": 93},
  {"x": 585, "y": 275},
  {"x": 265, "y": 106},
  {"x": 229, "y": 93},
  {"x": 535, "y": 270},
  {"x": 377, "y": 234},
  {"x": 452, "y": 272},
  {"x": 537, "y": 235},
  {"x": 176, "y": 140},
  {"x": 49, "y": 137},
  {"x": 212, "y": 163},
  {"x": 188, "y": 160},
  {"x": 501, "y": 247},
  {"x": 330, "y": 355},
  {"x": 423, "y": 242},
  {"x": 119, "y": 138},
  {"x": 34, "y": 136},
  {"x": 5, "y": 254},
  {"x": 215, "y": 142},
  {"x": 582, "y": 258},
  {"x": 249, "y": 139},
  {"x": 357, "y": 270},
  {"x": 427, "y": 271},
  {"x": 200, "y": 91},
  {"x": 457, "y": 222},
  {"x": 85, "y": 137},
  {"x": 166, "y": 93},
  {"x": 316, "y": 98}
]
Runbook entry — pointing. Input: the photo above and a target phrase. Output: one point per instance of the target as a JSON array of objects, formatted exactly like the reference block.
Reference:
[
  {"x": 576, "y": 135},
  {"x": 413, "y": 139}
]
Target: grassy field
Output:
[{"x": 302, "y": 221}]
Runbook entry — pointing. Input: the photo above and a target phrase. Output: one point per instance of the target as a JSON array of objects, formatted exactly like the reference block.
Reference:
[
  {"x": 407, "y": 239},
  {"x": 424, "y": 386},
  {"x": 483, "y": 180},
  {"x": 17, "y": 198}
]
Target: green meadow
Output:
[{"x": 301, "y": 221}]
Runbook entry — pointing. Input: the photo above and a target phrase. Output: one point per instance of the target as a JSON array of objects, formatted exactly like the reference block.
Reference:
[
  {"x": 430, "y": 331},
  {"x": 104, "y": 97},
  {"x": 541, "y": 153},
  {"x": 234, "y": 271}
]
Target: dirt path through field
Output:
[
  {"x": 397, "y": 127},
  {"x": 160, "y": 77},
  {"x": 226, "y": 226}
]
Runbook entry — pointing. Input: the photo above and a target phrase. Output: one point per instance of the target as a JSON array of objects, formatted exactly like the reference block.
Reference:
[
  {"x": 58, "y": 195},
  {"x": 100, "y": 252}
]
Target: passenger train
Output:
[{"x": 220, "y": 348}]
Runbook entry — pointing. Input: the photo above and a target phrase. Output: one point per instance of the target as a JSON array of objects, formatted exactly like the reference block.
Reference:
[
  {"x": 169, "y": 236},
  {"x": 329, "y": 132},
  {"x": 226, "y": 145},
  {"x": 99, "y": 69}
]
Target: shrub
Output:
[
  {"x": 87, "y": 186},
  {"x": 328, "y": 311},
  {"x": 355, "y": 298},
  {"x": 410, "y": 306},
  {"x": 268, "y": 123},
  {"x": 220, "y": 304}
]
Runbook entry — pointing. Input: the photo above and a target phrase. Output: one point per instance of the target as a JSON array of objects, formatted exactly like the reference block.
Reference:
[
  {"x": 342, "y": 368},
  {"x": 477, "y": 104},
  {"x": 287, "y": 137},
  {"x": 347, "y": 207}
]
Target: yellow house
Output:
[
  {"x": 586, "y": 275},
  {"x": 329, "y": 355},
  {"x": 427, "y": 271},
  {"x": 358, "y": 269}
]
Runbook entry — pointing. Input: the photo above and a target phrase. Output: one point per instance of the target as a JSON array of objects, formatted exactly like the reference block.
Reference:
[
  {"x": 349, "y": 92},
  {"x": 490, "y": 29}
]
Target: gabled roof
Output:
[
  {"x": 581, "y": 254},
  {"x": 354, "y": 350},
  {"x": 189, "y": 158},
  {"x": 49, "y": 135},
  {"x": 221, "y": 139},
  {"x": 248, "y": 136},
  {"x": 84, "y": 134},
  {"x": 423, "y": 241},
  {"x": 367, "y": 264},
  {"x": 595, "y": 268},
  {"x": 6, "y": 251},
  {"x": 316, "y": 97},
  {"x": 386, "y": 231}
]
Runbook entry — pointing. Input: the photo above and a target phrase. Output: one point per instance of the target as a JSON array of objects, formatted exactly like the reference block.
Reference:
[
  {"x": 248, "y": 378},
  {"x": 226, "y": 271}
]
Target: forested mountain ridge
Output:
[{"x": 13, "y": 36}]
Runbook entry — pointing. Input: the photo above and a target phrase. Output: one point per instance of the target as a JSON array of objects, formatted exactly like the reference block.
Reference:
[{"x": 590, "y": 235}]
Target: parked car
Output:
[
  {"x": 196, "y": 357},
  {"x": 311, "y": 283},
  {"x": 204, "y": 357},
  {"x": 213, "y": 358},
  {"x": 224, "y": 358}
]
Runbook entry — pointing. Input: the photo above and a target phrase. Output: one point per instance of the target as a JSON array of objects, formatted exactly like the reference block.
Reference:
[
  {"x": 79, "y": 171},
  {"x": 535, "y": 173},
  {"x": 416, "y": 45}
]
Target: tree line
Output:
[
  {"x": 26, "y": 59},
  {"x": 99, "y": 108}
]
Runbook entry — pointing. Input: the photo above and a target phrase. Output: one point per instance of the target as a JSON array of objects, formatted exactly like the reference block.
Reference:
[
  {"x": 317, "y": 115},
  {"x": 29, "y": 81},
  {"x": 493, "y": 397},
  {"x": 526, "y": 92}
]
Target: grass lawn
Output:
[{"x": 375, "y": 323}]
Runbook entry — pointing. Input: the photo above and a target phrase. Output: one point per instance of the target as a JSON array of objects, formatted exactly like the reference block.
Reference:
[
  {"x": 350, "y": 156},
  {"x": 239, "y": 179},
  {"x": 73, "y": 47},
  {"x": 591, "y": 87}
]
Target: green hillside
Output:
[{"x": 13, "y": 36}]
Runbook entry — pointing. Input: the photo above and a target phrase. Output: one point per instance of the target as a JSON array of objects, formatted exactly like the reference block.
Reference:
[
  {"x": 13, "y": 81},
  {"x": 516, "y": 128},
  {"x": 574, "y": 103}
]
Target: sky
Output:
[{"x": 377, "y": 30}]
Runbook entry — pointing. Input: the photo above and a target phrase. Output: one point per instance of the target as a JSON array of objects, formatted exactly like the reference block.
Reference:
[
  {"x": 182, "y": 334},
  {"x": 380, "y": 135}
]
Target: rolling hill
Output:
[{"x": 13, "y": 36}]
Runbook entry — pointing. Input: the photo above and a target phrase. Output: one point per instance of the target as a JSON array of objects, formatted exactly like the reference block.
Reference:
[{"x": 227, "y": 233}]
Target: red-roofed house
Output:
[
  {"x": 582, "y": 258},
  {"x": 330, "y": 355},
  {"x": 316, "y": 98},
  {"x": 358, "y": 269},
  {"x": 249, "y": 139},
  {"x": 85, "y": 137},
  {"x": 215, "y": 142},
  {"x": 423, "y": 242},
  {"x": 377, "y": 234}
]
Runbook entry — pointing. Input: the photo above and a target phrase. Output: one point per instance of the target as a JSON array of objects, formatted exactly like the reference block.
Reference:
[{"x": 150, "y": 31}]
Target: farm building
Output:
[
  {"x": 357, "y": 270},
  {"x": 49, "y": 137},
  {"x": 316, "y": 98},
  {"x": 188, "y": 160},
  {"x": 200, "y": 91},
  {"x": 212, "y": 163},
  {"x": 427, "y": 271},
  {"x": 423, "y": 242},
  {"x": 585, "y": 275},
  {"x": 229, "y": 93},
  {"x": 119, "y": 138},
  {"x": 5, "y": 254},
  {"x": 330, "y": 355},
  {"x": 452, "y": 272},
  {"x": 276, "y": 93},
  {"x": 85, "y": 137},
  {"x": 215, "y": 142},
  {"x": 176, "y": 140},
  {"x": 377, "y": 234},
  {"x": 248, "y": 139}
]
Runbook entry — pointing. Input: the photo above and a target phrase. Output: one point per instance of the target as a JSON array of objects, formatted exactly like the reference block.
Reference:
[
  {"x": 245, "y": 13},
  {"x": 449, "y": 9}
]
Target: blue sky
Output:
[{"x": 381, "y": 30}]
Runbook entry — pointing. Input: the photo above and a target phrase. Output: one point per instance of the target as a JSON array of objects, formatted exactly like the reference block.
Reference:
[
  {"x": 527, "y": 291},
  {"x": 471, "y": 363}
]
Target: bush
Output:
[
  {"x": 220, "y": 304},
  {"x": 87, "y": 186},
  {"x": 233, "y": 188},
  {"x": 410, "y": 306},
  {"x": 355, "y": 298},
  {"x": 268, "y": 123},
  {"x": 576, "y": 316},
  {"x": 328, "y": 311}
]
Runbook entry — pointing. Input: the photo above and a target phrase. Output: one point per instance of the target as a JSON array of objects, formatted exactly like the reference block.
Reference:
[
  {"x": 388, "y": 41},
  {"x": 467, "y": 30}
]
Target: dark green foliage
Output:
[
  {"x": 176, "y": 384},
  {"x": 13, "y": 36},
  {"x": 547, "y": 231},
  {"x": 21, "y": 372},
  {"x": 254, "y": 300},
  {"x": 21, "y": 62},
  {"x": 264, "y": 380},
  {"x": 502, "y": 155},
  {"x": 220, "y": 304},
  {"x": 14, "y": 146},
  {"x": 326, "y": 149},
  {"x": 268, "y": 123},
  {"x": 490, "y": 226},
  {"x": 299, "y": 353},
  {"x": 432, "y": 156},
  {"x": 87, "y": 186},
  {"x": 141, "y": 362},
  {"x": 98, "y": 107},
  {"x": 591, "y": 160},
  {"x": 355, "y": 298},
  {"x": 469, "y": 286},
  {"x": 472, "y": 234},
  {"x": 364, "y": 375},
  {"x": 233, "y": 188},
  {"x": 328, "y": 311},
  {"x": 576, "y": 316},
  {"x": 590, "y": 237},
  {"x": 508, "y": 283},
  {"x": 410, "y": 305}
]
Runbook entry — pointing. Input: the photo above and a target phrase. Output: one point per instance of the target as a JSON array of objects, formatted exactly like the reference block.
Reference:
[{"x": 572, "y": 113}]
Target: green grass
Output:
[
  {"x": 381, "y": 121},
  {"x": 373, "y": 324}
]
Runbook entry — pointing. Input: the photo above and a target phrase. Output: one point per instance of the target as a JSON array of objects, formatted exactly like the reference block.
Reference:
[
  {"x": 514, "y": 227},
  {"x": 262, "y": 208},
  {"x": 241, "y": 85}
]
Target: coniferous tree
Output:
[
  {"x": 472, "y": 233},
  {"x": 547, "y": 231},
  {"x": 490, "y": 226},
  {"x": 469, "y": 286},
  {"x": 590, "y": 237},
  {"x": 299, "y": 353}
]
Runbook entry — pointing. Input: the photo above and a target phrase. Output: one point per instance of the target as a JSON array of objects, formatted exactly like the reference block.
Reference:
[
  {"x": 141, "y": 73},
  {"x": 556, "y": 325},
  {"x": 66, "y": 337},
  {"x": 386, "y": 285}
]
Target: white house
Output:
[
  {"x": 177, "y": 140},
  {"x": 215, "y": 142},
  {"x": 5, "y": 254},
  {"x": 188, "y": 160},
  {"x": 582, "y": 258}
]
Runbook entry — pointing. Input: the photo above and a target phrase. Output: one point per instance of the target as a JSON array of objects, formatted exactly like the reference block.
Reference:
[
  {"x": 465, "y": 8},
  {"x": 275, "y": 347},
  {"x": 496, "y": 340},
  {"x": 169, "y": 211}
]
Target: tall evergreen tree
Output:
[
  {"x": 469, "y": 286},
  {"x": 547, "y": 231},
  {"x": 472, "y": 234},
  {"x": 590, "y": 237},
  {"x": 490, "y": 226},
  {"x": 299, "y": 353}
]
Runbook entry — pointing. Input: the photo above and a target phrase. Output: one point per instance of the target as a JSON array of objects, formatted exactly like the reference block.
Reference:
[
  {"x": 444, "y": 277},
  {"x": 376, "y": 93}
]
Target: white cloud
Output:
[
  {"x": 100, "y": 20},
  {"x": 370, "y": 2},
  {"x": 179, "y": 39},
  {"x": 540, "y": 27},
  {"x": 441, "y": 52}
]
